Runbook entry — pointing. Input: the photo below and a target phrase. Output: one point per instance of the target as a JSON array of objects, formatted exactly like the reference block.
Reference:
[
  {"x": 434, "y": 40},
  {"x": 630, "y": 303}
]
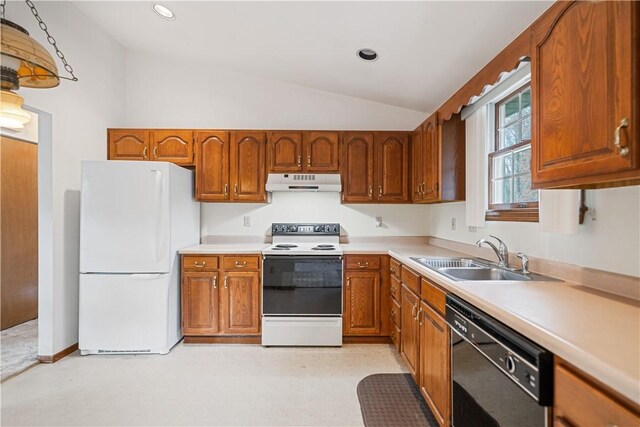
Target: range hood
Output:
[{"x": 326, "y": 182}]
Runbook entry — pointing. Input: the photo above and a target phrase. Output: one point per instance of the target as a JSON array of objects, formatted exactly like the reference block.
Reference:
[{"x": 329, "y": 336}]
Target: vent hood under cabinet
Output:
[{"x": 329, "y": 182}]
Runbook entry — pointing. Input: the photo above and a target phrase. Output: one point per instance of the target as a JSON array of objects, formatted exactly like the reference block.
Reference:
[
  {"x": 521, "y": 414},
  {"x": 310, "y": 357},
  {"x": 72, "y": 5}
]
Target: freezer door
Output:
[
  {"x": 128, "y": 313},
  {"x": 124, "y": 217}
]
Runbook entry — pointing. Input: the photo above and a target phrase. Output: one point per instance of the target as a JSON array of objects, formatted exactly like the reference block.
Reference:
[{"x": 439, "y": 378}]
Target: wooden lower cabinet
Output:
[
  {"x": 409, "y": 347},
  {"x": 200, "y": 303},
  {"x": 434, "y": 366},
  {"x": 362, "y": 303},
  {"x": 580, "y": 401},
  {"x": 240, "y": 302}
]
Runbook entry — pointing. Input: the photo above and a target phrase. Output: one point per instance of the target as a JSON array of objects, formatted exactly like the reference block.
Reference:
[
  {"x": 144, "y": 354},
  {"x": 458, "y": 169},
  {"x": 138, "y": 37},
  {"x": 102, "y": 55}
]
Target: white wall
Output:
[
  {"x": 611, "y": 242},
  {"x": 163, "y": 92},
  {"x": 81, "y": 112},
  {"x": 226, "y": 219}
]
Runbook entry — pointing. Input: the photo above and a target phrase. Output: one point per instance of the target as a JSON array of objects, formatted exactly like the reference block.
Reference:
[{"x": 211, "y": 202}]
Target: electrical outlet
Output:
[
  {"x": 472, "y": 229},
  {"x": 378, "y": 221},
  {"x": 453, "y": 224},
  {"x": 247, "y": 221}
]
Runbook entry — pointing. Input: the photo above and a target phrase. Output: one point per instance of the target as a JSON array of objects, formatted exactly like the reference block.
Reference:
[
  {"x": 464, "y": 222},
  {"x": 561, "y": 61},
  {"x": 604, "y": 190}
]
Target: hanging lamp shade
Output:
[
  {"x": 33, "y": 65},
  {"x": 12, "y": 115}
]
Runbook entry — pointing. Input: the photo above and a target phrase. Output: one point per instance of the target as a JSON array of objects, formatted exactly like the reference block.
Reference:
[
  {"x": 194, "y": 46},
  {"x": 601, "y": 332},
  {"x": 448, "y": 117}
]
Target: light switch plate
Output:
[{"x": 378, "y": 221}]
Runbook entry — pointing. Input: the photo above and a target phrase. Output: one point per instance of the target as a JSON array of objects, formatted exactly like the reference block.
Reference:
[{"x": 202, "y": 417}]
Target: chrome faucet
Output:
[{"x": 501, "y": 251}]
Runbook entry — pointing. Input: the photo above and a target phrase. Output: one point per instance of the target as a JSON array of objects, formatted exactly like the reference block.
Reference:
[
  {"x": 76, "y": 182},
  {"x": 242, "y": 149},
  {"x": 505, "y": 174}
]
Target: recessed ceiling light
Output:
[
  {"x": 367, "y": 54},
  {"x": 163, "y": 12}
]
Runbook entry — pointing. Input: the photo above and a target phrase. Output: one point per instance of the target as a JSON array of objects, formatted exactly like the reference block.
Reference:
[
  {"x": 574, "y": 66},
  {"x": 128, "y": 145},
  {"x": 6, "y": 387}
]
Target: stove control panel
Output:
[{"x": 288, "y": 229}]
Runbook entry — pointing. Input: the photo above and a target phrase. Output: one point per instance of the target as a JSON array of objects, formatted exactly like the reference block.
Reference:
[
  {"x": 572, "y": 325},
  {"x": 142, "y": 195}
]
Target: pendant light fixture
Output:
[{"x": 25, "y": 62}]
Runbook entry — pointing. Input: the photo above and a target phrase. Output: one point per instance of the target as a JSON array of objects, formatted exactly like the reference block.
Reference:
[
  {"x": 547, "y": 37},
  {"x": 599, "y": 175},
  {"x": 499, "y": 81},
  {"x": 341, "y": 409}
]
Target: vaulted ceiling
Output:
[{"x": 427, "y": 50}]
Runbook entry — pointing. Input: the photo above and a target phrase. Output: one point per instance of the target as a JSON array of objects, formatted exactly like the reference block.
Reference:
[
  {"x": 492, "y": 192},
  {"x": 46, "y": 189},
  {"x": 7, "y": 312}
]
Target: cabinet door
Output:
[
  {"x": 175, "y": 146},
  {"x": 392, "y": 167},
  {"x": 321, "y": 150},
  {"x": 431, "y": 153},
  {"x": 212, "y": 166},
  {"x": 357, "y": 167},
  {"x": 240, "y": 303},
  {"x": 128, "y": 144},
  {"x": 200, "y": 303},
  {"x": 362, "y": 303},
  {"x": 417, "y": 143},
  {"x": 435, "y": 370},
  {"x": 248, "y": 166},
  {"x": 584, "y": 81},
  {"x": 410, "y": 332},
  {"x": 285, "y": 152}
]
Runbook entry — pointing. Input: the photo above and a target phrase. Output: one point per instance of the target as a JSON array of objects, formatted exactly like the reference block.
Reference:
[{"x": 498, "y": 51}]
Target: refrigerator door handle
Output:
[{"x": 157, "y": 193}]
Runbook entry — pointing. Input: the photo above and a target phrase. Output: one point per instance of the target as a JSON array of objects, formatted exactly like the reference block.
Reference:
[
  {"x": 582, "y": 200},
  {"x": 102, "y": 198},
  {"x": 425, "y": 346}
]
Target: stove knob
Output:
[
  {"x": 334, "y": 229},
  {"x": 317, "y": 228},
  {"x": 511, "y": 363},
  {"x": 293, "y": 228}
]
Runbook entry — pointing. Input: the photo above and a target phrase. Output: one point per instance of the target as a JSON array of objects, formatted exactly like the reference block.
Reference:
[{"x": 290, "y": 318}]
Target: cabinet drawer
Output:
[
  {"x": 362, "y": 262},
  {"x": 396, "y": 285},
  {"x": 577, "y": 402},
  {"x": 240, "y": 262},
  {"x": 394, "y": 268},
  {"x": 199, "y": 263},
  {"x": 394, "y": 312},
  {"x": 410, "y": 279},
  {"x": 432, "y": 295},
  {"x": 395, "y": 337}
]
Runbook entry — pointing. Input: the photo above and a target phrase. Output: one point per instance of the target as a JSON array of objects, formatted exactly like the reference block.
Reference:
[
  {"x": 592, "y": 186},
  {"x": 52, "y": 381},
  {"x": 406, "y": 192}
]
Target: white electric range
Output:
[{"x": 302, "y": 286}]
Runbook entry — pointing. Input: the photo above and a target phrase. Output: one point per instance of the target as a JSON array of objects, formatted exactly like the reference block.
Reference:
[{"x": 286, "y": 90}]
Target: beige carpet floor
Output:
[
  {"x": 198, "y": 385},
  {"x": 18, "y": 349}
]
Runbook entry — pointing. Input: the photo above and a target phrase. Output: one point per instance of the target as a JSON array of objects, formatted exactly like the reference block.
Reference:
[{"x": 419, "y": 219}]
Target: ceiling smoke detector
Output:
[
  {"x": 367, "y": 54},
  {"x": 164, "y": 12}
]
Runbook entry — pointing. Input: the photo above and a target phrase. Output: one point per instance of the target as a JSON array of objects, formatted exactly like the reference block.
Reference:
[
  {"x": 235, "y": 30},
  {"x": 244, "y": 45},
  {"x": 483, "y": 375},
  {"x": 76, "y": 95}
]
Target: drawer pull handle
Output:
[
  {"x": 380, "y": 190},
  {"x": 393, "y": 313},
  {"x": 226, "y": 189},
  {"x": 349, "y": 283},
  {"x": 370, "y": 191},
  {"x": 225, "y": 283},
  {"x": 623, "y": 151},
  {"x": 309, "y": 160},
  {"x": 393, "y": 270},
  {"x": 215, "y": 282},
  {"x": 419, "y": 316},
  {"x": 155, "y": 152},
  {"x": 144, "y": 152},
  {"x": 242, "y": 264},
  {"x": 299, "y": 161},
  {"x": 235, "y": 189},
  {"x": 363, "y": 264},
  {"x": 413, "y": 311},
  {"x": 198, "y": 265}
]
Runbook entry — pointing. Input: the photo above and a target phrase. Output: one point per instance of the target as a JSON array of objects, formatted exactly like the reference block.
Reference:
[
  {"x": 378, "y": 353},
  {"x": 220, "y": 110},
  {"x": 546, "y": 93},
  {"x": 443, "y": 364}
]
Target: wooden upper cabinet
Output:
[
  {"x": 585, "y": 64},
  {"x": 417, "y": 144},
  {"x": 431, "y": 162},
  {"x": 248, "y": 166},
  {"x": 392, "y": 167},
  {"x": 285, "y": 152},
  {"x": 362, "y": 303},
  {"x": 357, "y": 167},
  {"x": 200, "y": 314},
  {"x": 212, "y": 166},
  {"x": 128, "y": 144},
  {"x": 321, "y": 151},
  {"x": 435, "y": 372},
  {"x": 175, "y": 146},
  {"x": 240, "y": 302}
]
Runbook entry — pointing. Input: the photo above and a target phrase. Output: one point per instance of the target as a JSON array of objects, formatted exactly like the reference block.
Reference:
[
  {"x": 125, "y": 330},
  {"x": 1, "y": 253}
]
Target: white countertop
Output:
[{"x": 597, "y": 332}]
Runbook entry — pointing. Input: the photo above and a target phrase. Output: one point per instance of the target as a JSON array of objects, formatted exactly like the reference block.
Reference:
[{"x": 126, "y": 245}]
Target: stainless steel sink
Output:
[{"x": 474, "y": 269}]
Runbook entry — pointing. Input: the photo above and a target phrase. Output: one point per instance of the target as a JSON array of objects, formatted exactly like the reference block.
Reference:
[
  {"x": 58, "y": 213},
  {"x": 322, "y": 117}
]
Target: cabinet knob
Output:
[
  {"x": 309, "y": 160},
  {"x": 623, "y": 151},
  {"x": 242, "y": 264},
  {"x": 198, "y": 265},
  {"x": 363, "y": 264},
  {"x": 299, "y": 161}
]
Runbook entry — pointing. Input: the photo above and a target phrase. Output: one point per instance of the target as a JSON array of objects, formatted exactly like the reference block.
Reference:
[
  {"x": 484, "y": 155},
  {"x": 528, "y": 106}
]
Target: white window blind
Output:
[{"x": 476, "y": 167}]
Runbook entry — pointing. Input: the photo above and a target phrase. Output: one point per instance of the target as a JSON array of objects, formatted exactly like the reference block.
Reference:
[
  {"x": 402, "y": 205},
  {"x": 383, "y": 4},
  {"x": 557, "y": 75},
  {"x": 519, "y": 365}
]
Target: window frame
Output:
[{"x": 521, "y": 211}]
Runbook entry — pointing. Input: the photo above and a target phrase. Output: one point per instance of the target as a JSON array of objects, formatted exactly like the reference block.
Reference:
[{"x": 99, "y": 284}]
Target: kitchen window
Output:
[{"x": 511, "y": 197}]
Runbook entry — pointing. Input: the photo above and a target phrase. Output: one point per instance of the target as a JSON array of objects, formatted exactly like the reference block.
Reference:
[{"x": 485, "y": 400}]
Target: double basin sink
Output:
[{"x": 462, "y": 269}]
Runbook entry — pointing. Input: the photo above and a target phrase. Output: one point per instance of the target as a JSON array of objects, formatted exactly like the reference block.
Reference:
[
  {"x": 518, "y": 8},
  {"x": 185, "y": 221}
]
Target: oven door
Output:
[
  {"x": 302, "y": 285},
  {"x": 483, "y": 396}
]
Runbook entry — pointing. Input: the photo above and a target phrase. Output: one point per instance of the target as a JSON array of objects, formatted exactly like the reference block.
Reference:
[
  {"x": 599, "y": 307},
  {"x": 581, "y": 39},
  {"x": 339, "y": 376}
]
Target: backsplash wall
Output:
[
  {"x": 611, "y": 242},
  {"x": 227, "y": 219}
]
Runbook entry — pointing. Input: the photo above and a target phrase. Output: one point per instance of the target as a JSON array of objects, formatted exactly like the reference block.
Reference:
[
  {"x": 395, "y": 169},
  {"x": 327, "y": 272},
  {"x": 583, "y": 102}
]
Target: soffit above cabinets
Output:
[{"x": 427, "y": 50}]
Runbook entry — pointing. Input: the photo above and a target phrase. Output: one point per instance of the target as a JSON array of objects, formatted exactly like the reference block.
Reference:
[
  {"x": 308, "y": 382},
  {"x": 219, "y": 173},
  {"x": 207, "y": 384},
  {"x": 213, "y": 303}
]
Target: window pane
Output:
[
  {"x": 522, "y": 190},
  {"x": 509, "y": 112},
  {"x": 526, "y": 128},
  {"x": 510, "y": 135},
  {"x": 526, "y": 102},
  {"x": 503, "y": 166},
  {"x": 522, "y": 160},
  {"x": 502, "y": 191}
]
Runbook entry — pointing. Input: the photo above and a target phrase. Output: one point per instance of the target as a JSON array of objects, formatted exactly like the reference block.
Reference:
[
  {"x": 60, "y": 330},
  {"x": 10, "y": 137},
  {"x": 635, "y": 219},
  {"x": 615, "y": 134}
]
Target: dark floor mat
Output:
[{"x": 393, "y": 400}]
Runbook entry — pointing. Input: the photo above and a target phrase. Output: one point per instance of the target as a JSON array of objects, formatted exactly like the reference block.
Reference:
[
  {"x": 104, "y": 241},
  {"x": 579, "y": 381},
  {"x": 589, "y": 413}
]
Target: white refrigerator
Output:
[{"x": 134, "y": 217}]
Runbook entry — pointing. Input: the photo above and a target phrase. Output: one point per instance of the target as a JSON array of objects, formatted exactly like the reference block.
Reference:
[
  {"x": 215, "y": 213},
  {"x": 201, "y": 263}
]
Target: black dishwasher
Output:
[{"x": 498, "y": 377}]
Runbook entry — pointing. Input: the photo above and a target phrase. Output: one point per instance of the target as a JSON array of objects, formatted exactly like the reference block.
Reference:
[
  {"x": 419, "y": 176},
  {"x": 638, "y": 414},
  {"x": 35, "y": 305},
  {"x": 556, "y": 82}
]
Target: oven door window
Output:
[
  {"x": 483, "y": 396},
  {"x": 302, "y": 286}
]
